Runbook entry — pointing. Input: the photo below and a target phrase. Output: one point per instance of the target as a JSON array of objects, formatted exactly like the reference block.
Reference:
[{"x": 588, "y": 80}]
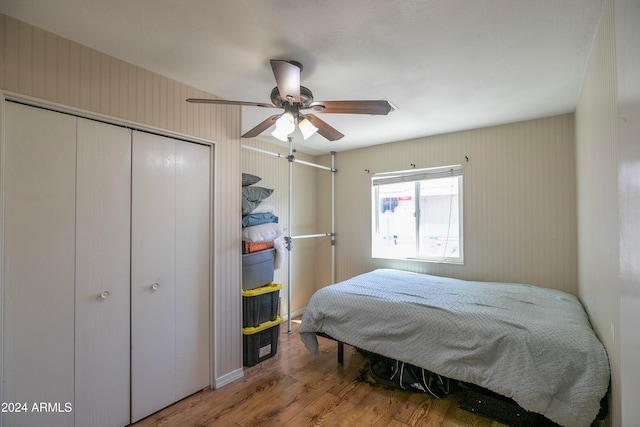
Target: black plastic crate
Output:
[
  {"x": 260, "y": 305},
  {"x": 260, "y": 343},
  {"x": 500, "y": 408},
  {"x": 257, "y": 269}
]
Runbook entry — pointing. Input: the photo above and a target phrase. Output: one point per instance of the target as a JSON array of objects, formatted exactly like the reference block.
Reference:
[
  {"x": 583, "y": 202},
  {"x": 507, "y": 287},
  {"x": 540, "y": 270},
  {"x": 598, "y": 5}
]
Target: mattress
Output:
[{"x": 533, "y": 345}]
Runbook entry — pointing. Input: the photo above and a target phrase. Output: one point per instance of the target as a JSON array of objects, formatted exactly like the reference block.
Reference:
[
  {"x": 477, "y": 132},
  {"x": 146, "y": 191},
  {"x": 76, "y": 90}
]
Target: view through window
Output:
[{"x": 417, "y": 214}]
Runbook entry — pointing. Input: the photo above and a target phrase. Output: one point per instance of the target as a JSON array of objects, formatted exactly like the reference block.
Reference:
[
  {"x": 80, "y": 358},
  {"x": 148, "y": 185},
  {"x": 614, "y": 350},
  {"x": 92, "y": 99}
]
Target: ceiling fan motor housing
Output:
[{"x": 306, "y": 98}]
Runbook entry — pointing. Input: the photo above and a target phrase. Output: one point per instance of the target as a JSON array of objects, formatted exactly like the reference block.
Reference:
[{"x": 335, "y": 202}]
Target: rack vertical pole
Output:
[{"x": 333, "y": 217}]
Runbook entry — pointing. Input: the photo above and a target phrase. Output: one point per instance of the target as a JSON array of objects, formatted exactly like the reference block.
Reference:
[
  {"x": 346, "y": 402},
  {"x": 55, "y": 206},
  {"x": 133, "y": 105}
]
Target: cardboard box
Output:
[{"x": 250, "y": 247}]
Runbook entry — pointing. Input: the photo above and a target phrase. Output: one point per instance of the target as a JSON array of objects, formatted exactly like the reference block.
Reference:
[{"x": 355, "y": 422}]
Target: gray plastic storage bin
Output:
[{"x": 257, "y": 269}]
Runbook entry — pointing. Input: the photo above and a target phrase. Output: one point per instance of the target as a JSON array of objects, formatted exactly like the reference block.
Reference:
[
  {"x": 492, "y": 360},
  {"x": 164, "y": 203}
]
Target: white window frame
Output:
[{"x": 417, "y": 175}]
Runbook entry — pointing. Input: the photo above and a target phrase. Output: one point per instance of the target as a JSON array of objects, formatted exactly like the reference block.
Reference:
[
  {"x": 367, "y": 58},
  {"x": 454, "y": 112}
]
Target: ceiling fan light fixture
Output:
[
  {"x": 307, "y": 128},
  {"x": 285, "y": 125},
  {"x": 280, "y": 134}
]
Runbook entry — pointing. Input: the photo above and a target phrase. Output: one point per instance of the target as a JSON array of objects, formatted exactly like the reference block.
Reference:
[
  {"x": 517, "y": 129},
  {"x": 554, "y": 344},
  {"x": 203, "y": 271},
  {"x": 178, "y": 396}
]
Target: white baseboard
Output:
[
  {"x": 228, "y": 378},
  {"x": 239, "y": 373},
  {"x": 294, "y": 314}
]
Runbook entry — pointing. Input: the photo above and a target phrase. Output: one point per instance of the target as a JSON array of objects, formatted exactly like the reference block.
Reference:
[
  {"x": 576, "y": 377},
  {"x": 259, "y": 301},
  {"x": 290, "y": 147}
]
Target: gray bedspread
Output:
[{"x": 531, "y": 344}]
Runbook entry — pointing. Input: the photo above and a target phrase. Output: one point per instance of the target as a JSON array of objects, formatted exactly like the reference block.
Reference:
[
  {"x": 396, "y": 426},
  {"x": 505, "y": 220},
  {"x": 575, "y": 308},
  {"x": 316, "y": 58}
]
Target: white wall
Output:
[
  {"x": 39, "y": 64},
  {"x": 598, "y": 229},
  {"x": 519, "y": 202},
  {"x": 608, "y": 165},
  {"x": 627, "y": 19}
]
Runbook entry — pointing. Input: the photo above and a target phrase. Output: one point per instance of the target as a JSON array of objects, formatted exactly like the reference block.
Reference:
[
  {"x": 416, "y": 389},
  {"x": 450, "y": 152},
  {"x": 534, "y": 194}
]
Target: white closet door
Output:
[
  {"x": 193, "y": 218},
  {"x": 39, "y": 174},
  {"x": 152, "y": 274},
  {"x": 102, "y": 275}
]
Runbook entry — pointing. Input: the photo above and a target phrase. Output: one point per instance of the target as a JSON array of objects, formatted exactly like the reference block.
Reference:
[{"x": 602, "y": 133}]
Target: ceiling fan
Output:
[{"x": 293, "y": 98}]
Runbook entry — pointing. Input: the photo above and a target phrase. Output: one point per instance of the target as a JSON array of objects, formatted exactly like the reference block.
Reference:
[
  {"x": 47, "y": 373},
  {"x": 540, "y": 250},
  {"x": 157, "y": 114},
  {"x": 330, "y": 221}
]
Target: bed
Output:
[{"x": 533, "y": 345}]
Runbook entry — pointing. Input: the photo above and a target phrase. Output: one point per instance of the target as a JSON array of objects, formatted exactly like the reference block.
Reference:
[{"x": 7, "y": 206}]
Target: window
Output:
[{"x": 417, "y": 214}]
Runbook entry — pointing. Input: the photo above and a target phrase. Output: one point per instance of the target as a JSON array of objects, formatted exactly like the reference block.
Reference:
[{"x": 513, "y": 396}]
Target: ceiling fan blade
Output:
[
  {"x": 287, "y": 74},
  {"x": 264, "y": 125},
  {"x": 324, "y": 128},
  {"x": 381, "y": 107},
  {"x": 226, "y": 102}
]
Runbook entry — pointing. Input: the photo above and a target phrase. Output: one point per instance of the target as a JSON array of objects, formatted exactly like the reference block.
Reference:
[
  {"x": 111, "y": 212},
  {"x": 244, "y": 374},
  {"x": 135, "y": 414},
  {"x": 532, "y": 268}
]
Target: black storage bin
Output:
[
  {"x": 257, "y": 269},
  {"x": 260, "y": 343},
  {"x": 260, "y": 305},
  {"x": 500, "y": 408}
]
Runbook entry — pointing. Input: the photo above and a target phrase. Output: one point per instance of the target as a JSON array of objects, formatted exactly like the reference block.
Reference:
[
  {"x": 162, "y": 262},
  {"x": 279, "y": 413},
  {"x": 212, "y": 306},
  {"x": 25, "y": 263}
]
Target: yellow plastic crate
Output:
[
  {"x": 260, "y": 305},
  {"x": 271, "y": 287}
]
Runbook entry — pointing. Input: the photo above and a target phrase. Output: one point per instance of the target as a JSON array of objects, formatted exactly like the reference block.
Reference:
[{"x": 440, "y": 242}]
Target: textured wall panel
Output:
[
  {"x": 39, "y": 64},
  {"x": 519, "y": 202},
  {"x": 597, "y": 201}
]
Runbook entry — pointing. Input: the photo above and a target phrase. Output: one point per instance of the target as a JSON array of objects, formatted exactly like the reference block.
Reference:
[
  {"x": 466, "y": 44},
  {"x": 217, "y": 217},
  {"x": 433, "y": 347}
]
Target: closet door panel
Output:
[
  {"x": 39, "y": 249},
  {"x": 193, "y": 219},
  {"x": 102, "y": 274},
  {"x": 152, "y": 274}
]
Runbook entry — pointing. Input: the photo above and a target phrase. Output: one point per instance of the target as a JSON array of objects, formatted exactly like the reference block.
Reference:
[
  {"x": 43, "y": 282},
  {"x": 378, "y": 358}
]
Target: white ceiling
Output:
[{"x": 448, "y": 65}]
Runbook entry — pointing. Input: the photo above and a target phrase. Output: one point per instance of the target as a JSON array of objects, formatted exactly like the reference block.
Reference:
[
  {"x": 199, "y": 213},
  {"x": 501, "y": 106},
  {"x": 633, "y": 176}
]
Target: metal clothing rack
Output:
[{"x": 289, "y": 238}]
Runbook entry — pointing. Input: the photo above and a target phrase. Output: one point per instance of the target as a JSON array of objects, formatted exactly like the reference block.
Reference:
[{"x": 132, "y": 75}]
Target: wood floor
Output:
[{"x": 294, "y": 388}]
